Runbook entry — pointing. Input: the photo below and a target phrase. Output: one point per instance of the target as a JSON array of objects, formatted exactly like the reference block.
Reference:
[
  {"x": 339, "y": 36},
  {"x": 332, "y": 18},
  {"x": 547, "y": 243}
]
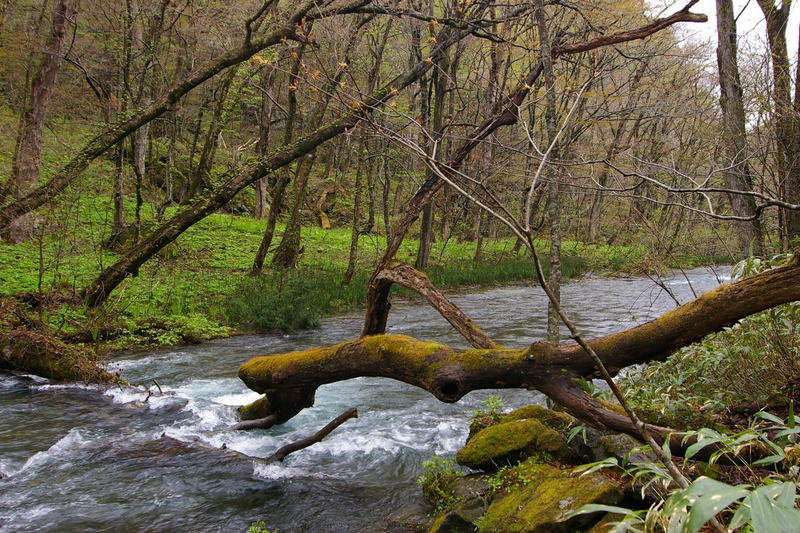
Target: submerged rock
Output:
[
  {"x": 409, "y": 519},
  {"x": 546, "y": 502}
]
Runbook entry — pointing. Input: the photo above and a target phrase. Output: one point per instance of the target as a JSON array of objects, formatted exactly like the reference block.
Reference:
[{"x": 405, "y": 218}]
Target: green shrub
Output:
[
  {"x": 756, "y": 361},
  {"x": 279, "y": 301}
]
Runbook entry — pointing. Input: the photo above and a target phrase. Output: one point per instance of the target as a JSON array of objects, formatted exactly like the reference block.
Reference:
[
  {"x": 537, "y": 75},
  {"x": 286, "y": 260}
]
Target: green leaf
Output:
[
  {"x": 771, "y": 460},
  {"x": 771, "y": 517},
  {"x": 704, "y": 498},
  {"x": 769, "y": 416},
  {"x": 596, "y": 507}
]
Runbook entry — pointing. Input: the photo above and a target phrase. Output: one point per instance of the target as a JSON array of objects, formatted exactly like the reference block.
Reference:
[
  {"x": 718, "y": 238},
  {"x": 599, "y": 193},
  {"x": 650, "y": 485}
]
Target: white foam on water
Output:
[
  {"x": 155, "y": 359},
  {"x": 71, "y": 441},
  {"x": 63, "y": 386},
  {"x": 353, "y": 443},
  {"x": 237, "y": 399},
  {"x": 450, "y": 437},
  {"x": 281, "y": 471}
]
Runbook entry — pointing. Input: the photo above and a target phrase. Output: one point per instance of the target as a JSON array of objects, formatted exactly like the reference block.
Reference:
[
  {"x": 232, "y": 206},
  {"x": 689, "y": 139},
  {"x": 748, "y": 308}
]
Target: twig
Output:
[{"x": 281, "y": 454}]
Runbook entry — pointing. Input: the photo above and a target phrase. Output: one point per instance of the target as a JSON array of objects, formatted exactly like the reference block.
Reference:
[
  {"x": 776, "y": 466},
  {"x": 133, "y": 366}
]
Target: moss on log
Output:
[{"x": 35, "y": 353}]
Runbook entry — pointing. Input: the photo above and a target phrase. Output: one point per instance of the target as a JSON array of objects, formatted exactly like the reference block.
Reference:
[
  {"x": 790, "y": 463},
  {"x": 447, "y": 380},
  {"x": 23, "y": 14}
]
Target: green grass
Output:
[{"x": 199, "y": 273}]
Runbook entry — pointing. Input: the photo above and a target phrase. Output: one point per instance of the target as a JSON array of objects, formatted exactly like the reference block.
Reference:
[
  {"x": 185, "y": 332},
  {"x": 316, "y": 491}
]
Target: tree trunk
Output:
[
  {"x": 28, "y": 155},
  {"x": 202, "y": 173},
  {"x": 785, "y": 113},
  {"x": 279, "y": 189},
  {"x": 355, "y": 232},
  {"x": 264, "y": 130},
  {"x": 738, "y": 175},
  {"x": 286, "y": 255},
  {"x": 554, "y": 188}
]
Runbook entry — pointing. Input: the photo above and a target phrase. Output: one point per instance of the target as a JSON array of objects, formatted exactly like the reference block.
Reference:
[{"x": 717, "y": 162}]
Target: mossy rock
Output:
[
  {"x": 43, "y": 355},
  {"x": 622, "y": 447},
  {"x": 438, "y": 489},
  {"x": 548, "y": 417},
  {"x": 546, "y": 503},
  {"x": 510, "y": 442},
  {"x": 469, "y": 494}
]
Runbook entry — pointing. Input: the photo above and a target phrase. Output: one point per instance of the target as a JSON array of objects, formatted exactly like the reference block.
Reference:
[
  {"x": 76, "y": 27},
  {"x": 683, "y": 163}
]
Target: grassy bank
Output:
[{"x": 198, "y": 286}]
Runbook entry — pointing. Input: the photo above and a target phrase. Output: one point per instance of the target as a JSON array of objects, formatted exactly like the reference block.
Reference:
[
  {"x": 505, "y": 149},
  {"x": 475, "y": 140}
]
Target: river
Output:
[{"x": 81, "y": 458}]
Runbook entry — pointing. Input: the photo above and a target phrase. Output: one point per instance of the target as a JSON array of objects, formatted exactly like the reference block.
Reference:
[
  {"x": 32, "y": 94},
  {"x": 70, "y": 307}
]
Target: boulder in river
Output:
[{"x": 510, "y": 442}]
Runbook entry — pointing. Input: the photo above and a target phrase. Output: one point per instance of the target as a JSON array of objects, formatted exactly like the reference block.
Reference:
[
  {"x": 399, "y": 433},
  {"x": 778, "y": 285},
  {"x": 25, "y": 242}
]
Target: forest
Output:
[{"x": 413, "y": 265}]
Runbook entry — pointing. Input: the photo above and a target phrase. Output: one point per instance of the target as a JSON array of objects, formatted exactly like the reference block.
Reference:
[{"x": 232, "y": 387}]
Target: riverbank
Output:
[{"x": 198, "y": 288}]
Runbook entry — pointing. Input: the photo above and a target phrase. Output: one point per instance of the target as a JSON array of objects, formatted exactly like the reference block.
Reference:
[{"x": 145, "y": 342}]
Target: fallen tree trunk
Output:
[
  {"x": 39, "y": 354},
  {"x": 450, "y": 373}
]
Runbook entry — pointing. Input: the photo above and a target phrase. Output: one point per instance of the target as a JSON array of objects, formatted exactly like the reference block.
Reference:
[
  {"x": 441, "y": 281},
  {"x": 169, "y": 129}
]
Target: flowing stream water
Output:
[{"x": 83, "y": 458}]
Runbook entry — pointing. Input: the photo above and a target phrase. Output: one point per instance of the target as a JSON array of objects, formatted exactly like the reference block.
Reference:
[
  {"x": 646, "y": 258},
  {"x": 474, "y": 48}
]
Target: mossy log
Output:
[
  {"x": 35, "y": 353},
  {"x": 450, "y": 373}
]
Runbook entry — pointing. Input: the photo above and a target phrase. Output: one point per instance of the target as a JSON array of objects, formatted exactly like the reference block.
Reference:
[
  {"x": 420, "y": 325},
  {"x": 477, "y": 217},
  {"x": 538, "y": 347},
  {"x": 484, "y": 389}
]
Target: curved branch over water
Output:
[{"x": 449, "y": 373}]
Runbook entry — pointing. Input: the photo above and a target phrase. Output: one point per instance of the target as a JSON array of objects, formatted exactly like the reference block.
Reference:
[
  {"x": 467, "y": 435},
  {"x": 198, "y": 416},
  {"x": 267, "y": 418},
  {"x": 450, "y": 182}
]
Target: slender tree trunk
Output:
[
  {"x": 28, "y": 156},
  {"x": 738, "y": 176},
  {"x": 289, "y": 248},
  {"x": 279, "y": 189},
  {"x": 554, "y": 189},
  {"x": 119, "y": 178},
  {"x": 355, "y": 233},
  {"x": 264, "y": 130},
  {"x": 438, "y": 86},
  {"x": 286, "y": 255},
  {"x": 202, "y": 173}
]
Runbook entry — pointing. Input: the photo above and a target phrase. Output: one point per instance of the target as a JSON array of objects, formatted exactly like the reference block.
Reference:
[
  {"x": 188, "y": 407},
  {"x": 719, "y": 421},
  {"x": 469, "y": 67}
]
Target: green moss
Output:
[
  {"x": 509, "y": 442},
  {"x": 548, "y": 417},
  {"x": 436, "y": 526},
  {"x": 255, "y": 410},
  {"x": 547, "y": 503}
]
